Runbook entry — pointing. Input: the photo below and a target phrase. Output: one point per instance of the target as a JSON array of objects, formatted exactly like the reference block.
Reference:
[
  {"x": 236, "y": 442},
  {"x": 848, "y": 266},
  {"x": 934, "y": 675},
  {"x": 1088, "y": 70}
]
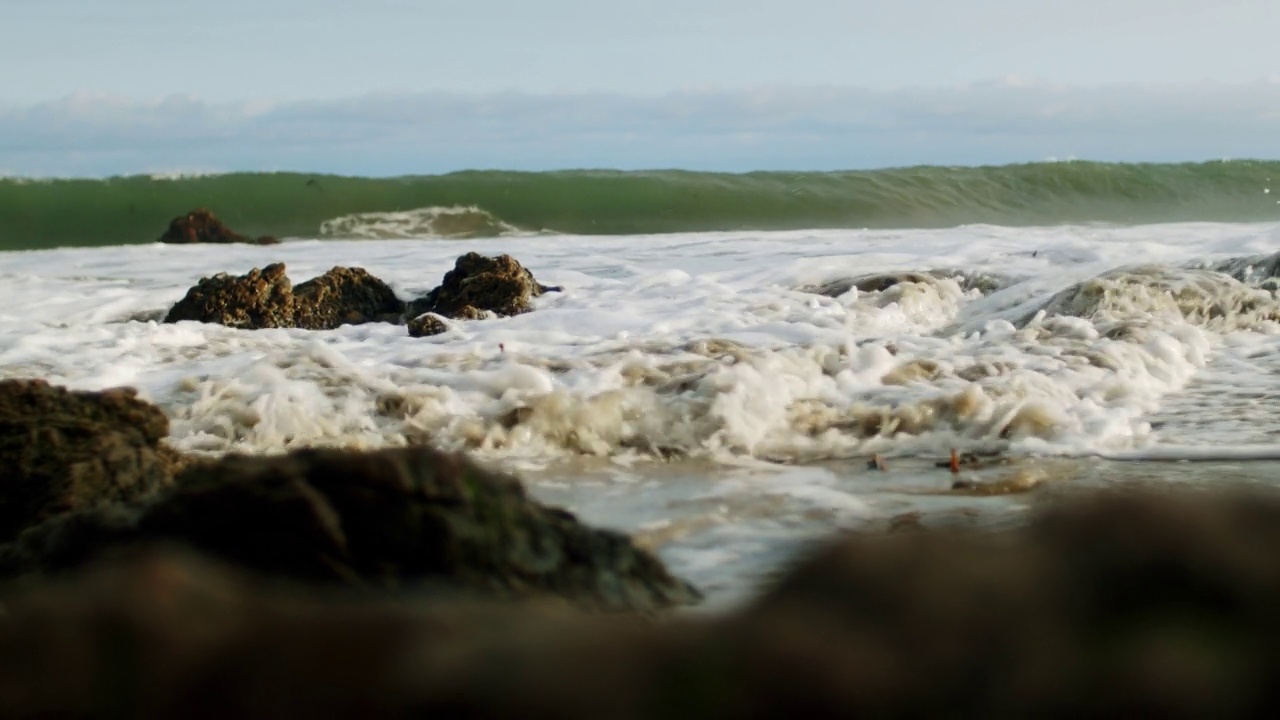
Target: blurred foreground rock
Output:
[
  {"x": 1114, "y": 605},
  {"x": 202, "y": 226},
  {"x": 63, "y": 451},
  {"x": 373, "y": 520},
  {"x": 87, "y": 474}
]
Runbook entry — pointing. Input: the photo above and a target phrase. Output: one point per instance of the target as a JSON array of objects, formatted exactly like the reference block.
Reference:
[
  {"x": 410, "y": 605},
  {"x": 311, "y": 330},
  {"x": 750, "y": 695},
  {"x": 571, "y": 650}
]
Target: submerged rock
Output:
[
  {"x": 202, "y": 226},
  {"x": 372, "y": 519},
  {"x": 1202, "y": 297},
  {"x": 477, "y": 283},
  {"x": 258, "y": 299},
  {"x": 64, "y": 451},
  {"x": 267, "y": 299},
  {"x": 866, "y": 283},
  {"x": 426, "y": 325},
  {"x": 1251, "y": 270},
  {"x": 1119, "y": 605},
  {"x": 879, "y": 282}
]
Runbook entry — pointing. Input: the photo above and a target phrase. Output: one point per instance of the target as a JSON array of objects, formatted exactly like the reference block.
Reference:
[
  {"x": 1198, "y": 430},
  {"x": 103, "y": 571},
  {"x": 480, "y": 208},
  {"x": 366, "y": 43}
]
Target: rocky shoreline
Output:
[
  {"x": 89, "y": 475},
  {"x": 139, "y": 581}
]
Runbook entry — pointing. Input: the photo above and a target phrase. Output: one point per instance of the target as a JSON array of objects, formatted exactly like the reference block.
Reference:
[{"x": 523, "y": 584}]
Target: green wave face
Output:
[{"x": 52, "y": 213}]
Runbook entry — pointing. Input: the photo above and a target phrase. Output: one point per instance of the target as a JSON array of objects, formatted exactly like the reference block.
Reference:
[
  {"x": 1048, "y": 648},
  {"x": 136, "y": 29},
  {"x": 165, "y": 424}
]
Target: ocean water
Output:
[
  {"x": 130, "y": 210},
  {"x": 701, "y": 391}
]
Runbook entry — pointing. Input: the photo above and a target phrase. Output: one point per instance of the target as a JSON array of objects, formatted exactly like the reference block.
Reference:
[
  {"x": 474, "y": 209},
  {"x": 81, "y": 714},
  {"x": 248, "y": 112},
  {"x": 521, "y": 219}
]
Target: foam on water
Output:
[
  {"x": 769, "y": 364},
  {"x": 703, "y": 345},
  {"x": 452, "y": 222}
]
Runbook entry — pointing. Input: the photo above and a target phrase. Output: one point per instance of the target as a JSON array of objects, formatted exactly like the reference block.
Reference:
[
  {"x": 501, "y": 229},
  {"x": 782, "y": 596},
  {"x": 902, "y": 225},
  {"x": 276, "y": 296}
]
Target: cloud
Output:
[{"x": 797, "y": 128}]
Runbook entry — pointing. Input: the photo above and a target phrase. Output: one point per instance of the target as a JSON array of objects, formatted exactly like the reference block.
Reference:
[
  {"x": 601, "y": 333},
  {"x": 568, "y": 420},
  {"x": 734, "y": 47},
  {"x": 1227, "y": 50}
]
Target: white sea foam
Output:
[
  {"x": 1077, "y": 341},
  {"x": 455, "y": 221},
  {"x": 691, "y": 345}
]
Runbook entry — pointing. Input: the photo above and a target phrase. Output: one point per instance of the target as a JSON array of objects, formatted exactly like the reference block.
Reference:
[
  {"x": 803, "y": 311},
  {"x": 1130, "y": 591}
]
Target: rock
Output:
[
  {"x": 1115, "y": 299},
  {"x": 170, "y": 635},
  {"x": 344, "y": 296},
  {"x": 65, "y": 451},
  {"x": 478, "y": 283},
  {"x": 426, "y": 325},
  {"x": 1116, "y": 605},
  {"x": 983, "y": 282},
  {"x": 267, "y": 299},
  {"x": 258, "y": 299},
  {"x": 1251, "y": 270},
  {"x": 377, "y": 519},
  {"x": 202, "y": 226}
]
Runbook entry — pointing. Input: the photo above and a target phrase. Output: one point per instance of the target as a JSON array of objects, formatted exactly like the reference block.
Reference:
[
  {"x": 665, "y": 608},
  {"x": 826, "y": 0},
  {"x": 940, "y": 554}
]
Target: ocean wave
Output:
[
  {"x": 126, "y": 210},
  {"x": 438, "y": 222}
]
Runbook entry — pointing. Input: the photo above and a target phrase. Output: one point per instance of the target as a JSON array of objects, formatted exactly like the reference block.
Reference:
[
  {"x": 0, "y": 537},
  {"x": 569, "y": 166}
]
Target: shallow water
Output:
[{"x": 697, "y": 390}]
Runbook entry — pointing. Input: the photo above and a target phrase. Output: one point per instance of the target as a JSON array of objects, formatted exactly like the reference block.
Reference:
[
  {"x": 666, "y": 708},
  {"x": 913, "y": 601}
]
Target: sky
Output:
[{"x": 401, "y": 86}]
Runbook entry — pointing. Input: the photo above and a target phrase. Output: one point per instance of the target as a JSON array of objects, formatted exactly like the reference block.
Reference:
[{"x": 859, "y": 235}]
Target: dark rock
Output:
[
  {"x": 1110, "y": 606},
  {"x": 426, "y": 325},
  {"x": 500, "y": 285},
  {"x": 267, "y": 299},
  {"x": 381, "y": 520},
  {"x": 258, "y": 299},
  {"x": 879, "y": 282},
  {"x": 344, "y": 296},
  {"x": 1251, "y": 270},
  {"x": 64, "y": 451},
  {"x": 202, "y": 226}
]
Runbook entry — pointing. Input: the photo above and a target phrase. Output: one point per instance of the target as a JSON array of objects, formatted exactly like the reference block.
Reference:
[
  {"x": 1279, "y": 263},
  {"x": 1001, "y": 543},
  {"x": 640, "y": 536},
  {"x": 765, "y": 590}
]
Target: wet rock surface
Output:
[
  {"x": 261, "y": 298},
  {"x": 63, "y": 451},
  {"x": 1251, "y": 270},
  {"x": 344, "y": 296},
  {"x": 266, "y": 298},
  {"x": 1110, "y": 605},
  {"x": 383, "y": 519},
  {"x": 426, "y": 325},
  {"x": 476, "y": 283},
  {"x": 202, "y": 226}
]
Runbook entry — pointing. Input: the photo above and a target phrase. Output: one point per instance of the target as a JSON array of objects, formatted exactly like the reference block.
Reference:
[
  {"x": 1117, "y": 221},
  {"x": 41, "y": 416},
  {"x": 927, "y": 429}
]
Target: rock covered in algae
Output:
[
  {"x": 500, "y": 285},
  {"x": 266, "y": 298},
  {"x": 344, "y": 296},
  {"x": 261, "y": 298}
]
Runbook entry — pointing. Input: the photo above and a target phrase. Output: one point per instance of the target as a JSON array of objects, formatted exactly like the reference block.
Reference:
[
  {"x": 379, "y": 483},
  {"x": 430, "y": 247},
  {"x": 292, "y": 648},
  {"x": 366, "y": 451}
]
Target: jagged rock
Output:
[
  {"x": 202, "y": 226},
  {"x": 267, "y": 299},
  {"x": 63, "y": 451},
  {"x": 500, "y": 285},
  {"x": 258, "y": 299},
  {"x": 1134, "y": 605},
  {"x": 344, "y": 296},
  {"x": 426, "y": 325},
  {"x": 377, "y": 519}
]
